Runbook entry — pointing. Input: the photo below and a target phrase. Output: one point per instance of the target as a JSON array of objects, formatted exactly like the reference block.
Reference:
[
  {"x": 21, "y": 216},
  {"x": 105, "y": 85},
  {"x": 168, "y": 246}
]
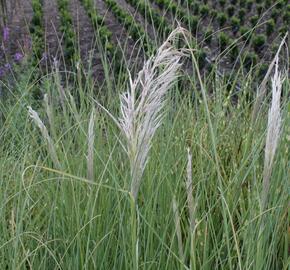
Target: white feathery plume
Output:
[
  {"x": 91, "y": 139},
  {"x": 142, "y": 104},
  {"x": 51, "y": 149},
  {"x": 273, "y": 131}
]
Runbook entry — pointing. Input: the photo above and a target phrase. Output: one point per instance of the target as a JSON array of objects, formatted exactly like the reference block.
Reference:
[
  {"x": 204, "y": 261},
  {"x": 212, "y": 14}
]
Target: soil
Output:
[
  {"x": 131, "y": 53},
  {"x": 19, "y": 17},
  {"x": 53, "y": 48}
]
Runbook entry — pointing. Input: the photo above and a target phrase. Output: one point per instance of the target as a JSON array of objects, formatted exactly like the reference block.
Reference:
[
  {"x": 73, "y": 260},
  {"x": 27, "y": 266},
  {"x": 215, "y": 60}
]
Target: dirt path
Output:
[
  {"x": 18, "y": 40},
  {"x": 133, "y": 56},
  {"x": 138, "y": 17},
  {"x": 52, "y": 35},
  {"x": 86, "y": 38}
]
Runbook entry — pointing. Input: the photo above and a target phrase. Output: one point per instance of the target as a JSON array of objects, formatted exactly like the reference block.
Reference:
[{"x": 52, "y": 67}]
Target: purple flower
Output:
[
  {"x": 2, "y": 71},
  {"x": 18, "y": 57},
  {"x": 5, "y": 33},
  {"x": 7, "y": 66}
]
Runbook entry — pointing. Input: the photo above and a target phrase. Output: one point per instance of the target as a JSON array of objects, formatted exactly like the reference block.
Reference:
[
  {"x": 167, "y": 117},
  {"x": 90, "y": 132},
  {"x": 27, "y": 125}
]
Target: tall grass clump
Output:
[
  {"x": 142, "y": 113},
  {"x": 114, "y": 188}
]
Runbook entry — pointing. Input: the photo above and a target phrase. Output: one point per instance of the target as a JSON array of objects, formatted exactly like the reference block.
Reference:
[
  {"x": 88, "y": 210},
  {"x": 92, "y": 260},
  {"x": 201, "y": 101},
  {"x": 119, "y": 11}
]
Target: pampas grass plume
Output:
[
  {"x": 273, "y": 132},
  {"x": 142, "y": 105},
  {"x": 51, "y": 149}
]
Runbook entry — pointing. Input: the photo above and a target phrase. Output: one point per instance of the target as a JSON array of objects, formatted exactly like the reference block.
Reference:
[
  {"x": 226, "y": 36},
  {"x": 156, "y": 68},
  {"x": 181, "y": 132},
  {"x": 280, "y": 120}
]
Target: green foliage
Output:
[
  {"x": 37, "y": 31},
  {"x": 242, "y": 12},
  {"x": 201, "y": 58},
  {"x": 283, "y": 30},
  {"x": 222, "y": 18},
  {"x": 213, "y": 13},
  {"x": 231, "y": 10},
  {"x": 65, "y": 219},
  {"x": 242, "y": 3},
  {"x": 193, "y": 22},
  {"x": 250, "y": 60},
  {"x": 134, "y": 29},
  {"x": 275, "y": 14},
  {"x": 234, "y": 50},
  {"x": 259, "y": 41},
  {"x": 270, "y": 27},
  {"x": 222, "y": 3},
  {"x": 204, "y": 10},
  {"x": 249, "y": 4},
  {"x": 208, "y": 35},
  {"x": 286, "y": 17},
  {"x": 69, "y": 37},
  {"x": 195, "y": 8},
  {"x": 260, "y": 9},
  {"x": 235, "y": 23},
  {"x": 224, "y": 40},
  {"x": 254, "y": 20}
]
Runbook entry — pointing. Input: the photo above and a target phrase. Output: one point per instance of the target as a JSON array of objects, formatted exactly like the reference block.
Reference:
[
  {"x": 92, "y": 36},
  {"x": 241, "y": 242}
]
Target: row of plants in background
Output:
[
  {"x": 104, "y": 33},
  {"x": 134, "y": 29},
  {"x": 239, "y": 17},
  {"x": 37, "y": 31},
  {"x": 181, "y": 14},
  {"x": 69, "y": 37},
  {"x": 151, "y": 15}
]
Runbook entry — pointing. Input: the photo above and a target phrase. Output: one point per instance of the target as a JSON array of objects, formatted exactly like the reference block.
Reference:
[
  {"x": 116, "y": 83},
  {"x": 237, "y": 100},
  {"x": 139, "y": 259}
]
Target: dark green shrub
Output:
[
  {"x": 270, "y": 26},
  {"x": 243, "y": 3},
  {"x": 274, "y": 49},
  {"x": 260, "y": 9},
  {"x": 195, "y": 8},
  {"x": 204, "y": 10},
  {"x": 222, "y": 18},
  {"x": 286, "y": 17},
  {"x": 258, "y": 42},
  {"x": 234, "y": 51},
  {"x": 173, "y": 8},
  {"x": 262, "y": 71},
  {"x": 267, "y": 4},
  {"x": 222, "y": 3},
  {"x": 274, "y": 15},
  {"x": 193, "y": 23},
  {"x": 254, "y": 20},
  {"x": 245, "y": 32},
  {"x": 279, "y": 5},
  {"x": 242, "y": 13},
  {"x": 250, "y": 60},
  {"x": 224, "y": 40},
  {"x": 234, "y": 2},
  {"x": 235, "y": 23},
  {"x": 231, "y": 10},
  {"x": 249, "y": 4},
  {"x": 201, "y": 58},
  {"x": 208, "y": 35},
  {"x": 213, "y": 13},
  {"x": 283, "y": 30}
]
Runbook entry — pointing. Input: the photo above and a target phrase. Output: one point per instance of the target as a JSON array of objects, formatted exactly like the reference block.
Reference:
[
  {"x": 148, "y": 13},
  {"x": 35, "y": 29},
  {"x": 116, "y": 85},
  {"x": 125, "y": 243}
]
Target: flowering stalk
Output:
[
  {"x": 142, "y": 104},
  {"x": 273, "y": 132},
  {"x": 51, "y": 149}
]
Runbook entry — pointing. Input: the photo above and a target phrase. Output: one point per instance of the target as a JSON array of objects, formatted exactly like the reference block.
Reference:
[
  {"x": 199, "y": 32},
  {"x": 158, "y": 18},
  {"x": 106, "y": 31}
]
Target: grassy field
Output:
[{"x": 144, "y": 157}]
